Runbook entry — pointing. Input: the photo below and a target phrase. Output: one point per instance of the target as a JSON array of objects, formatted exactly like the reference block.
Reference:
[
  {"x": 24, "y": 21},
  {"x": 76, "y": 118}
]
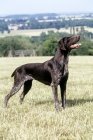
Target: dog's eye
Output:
[{"x": 68, "y": 38}]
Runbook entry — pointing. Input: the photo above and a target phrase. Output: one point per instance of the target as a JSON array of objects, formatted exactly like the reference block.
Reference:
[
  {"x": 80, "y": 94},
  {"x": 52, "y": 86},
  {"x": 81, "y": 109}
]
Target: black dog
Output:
[{"x": 53, "y": 72}]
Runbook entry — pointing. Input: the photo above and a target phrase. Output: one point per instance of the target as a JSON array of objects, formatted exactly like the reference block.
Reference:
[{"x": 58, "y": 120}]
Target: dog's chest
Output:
[{"x": 60, "y": 72}]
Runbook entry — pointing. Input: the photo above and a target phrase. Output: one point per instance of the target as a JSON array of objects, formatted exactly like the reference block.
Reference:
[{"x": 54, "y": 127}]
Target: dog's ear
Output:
[{"x": 61, "y": 45}]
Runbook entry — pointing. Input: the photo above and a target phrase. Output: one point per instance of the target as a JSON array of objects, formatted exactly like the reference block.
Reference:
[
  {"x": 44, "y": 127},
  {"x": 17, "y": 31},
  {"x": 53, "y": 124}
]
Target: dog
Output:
[{"x": 53, "y": 72}]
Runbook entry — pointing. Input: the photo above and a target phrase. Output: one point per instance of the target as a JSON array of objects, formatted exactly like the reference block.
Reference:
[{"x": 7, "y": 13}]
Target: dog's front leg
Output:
[
  {"x": 55, "y": 92},
  {"x": 63, "y": 97},
  {"x": 63, "y": 93}
]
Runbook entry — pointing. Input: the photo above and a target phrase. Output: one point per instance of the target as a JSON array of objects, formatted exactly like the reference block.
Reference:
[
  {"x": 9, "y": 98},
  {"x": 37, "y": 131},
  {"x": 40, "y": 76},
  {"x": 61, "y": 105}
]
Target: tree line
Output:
[
  {"x": 45, "y": 44},
  {"x": 35, "y": 24},
  {"x": 57, "y": 24}
]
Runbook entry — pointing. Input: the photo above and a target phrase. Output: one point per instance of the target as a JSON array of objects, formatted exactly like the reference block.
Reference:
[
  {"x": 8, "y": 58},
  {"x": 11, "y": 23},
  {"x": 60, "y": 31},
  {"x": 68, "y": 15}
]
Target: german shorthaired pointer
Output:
[{"x": 53, "y": 72}]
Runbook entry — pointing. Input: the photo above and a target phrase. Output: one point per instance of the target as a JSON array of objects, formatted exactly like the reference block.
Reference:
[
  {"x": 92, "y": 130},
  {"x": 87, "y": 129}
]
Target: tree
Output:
[
  {"x": 49, "y": 47},
  {"x": 2, "y": 31},
  {"x": 73, "y": 30},
  {"x": 77, "y": 29},
  {"x": 13, "y": 43},
  {"x": 51, "y": 32},
  {"x": 8, "y": 31},
  {"x": 43, "y": 36},
  {"x": 82, "y": 31}
]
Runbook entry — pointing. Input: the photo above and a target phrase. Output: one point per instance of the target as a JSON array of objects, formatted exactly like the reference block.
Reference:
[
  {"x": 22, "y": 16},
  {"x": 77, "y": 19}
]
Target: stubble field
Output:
[
  {"x": 37, "y": 32},
  {"x": 36, "y": 118}
]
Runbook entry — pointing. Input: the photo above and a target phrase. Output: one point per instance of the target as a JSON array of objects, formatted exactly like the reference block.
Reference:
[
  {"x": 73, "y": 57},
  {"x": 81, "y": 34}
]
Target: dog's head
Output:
[{"x": 68, "y": 43}]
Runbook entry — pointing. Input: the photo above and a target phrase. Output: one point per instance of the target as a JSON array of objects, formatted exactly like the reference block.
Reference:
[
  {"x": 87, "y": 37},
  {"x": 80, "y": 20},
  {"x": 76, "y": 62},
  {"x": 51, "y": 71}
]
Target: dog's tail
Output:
[{"x": 13, "y": 73}]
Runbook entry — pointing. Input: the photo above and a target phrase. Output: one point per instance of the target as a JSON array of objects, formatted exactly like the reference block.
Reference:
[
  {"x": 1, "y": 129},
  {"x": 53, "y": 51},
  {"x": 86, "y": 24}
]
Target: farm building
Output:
[{"x": 21, "y": 53}]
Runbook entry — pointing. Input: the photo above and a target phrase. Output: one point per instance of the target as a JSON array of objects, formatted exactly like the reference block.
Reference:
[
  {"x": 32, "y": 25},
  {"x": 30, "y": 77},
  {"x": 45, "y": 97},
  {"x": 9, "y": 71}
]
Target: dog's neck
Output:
[{"x": 61, "y": 56}]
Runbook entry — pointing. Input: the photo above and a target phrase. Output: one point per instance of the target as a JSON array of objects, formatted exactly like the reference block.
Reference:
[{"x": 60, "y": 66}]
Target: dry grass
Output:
[
  {"x": 34, "y": 32},
  {"x": 37, "y": 32},
  {"x": 36, "y": 118}
]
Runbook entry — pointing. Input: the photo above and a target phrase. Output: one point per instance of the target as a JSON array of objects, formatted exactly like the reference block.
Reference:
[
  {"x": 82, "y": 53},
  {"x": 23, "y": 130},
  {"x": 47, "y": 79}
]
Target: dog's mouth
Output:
[{"x": 75, "y": 46}]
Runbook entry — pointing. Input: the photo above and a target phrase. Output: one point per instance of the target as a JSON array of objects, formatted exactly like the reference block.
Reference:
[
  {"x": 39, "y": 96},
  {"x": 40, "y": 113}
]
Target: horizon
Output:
[{"x": 63, "y": 13}]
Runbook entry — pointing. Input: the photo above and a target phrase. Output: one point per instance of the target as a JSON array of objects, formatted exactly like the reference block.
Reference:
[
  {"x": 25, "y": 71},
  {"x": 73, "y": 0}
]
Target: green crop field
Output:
[{"x": 36, "y": 118}]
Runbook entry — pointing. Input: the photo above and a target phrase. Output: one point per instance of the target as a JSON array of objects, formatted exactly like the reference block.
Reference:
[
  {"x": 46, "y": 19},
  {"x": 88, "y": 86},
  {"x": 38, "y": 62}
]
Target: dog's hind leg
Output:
[
  {"x": 18, "y": 82},
  {"x": 27, "y": 87},
  {"x": 14, "y": 90}
]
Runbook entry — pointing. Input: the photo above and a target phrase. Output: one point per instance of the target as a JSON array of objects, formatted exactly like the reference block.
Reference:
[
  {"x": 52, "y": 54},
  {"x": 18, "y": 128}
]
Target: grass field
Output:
[
  {"x": 37, "y": 32},
  {"x": 36, "y": 118}
]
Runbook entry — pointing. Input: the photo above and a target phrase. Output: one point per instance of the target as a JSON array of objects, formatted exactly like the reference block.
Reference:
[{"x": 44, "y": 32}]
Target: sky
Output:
[{"x": 10, "y": 7}]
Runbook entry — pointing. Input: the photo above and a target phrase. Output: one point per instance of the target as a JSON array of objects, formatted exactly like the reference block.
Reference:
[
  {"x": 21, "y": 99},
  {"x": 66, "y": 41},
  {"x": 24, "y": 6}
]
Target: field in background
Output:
[
  {"x": 37, "y": 32},
  {"x": 36, "y": 118}
]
